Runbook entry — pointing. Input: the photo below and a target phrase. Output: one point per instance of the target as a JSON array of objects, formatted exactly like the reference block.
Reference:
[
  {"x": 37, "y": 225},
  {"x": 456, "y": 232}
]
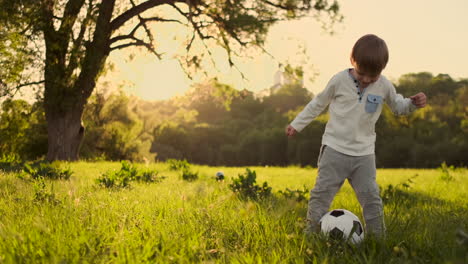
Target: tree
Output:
[
  {"x": 212, "y": 100},
  {"x": 16, "y": 56},
  {"x": 114, "y": 130},
  {"x": 22, "y": 129},
  {"x": 78, "y": 36}
]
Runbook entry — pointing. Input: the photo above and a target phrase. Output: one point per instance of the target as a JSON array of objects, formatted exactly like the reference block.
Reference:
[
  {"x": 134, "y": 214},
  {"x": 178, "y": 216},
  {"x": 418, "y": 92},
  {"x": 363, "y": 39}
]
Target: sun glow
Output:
[{"x": 151, "y": 79}]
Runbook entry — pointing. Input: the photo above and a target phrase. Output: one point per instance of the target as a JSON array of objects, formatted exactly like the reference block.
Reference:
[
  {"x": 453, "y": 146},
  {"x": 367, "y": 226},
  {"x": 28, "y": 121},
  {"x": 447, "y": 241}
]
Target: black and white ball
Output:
[
  {"x": 342, "y": 224},
  {"x": 219, "y": 176}
]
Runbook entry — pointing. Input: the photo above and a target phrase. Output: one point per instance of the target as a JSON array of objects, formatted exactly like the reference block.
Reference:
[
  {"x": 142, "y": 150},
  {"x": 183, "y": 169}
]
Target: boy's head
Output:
[{"x": 369, "y": 55}]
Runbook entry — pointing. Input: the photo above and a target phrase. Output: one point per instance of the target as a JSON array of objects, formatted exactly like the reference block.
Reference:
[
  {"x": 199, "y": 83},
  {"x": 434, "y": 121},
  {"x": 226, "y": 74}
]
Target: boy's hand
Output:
[
  {"x": 290, "y": 131},
  {"x": 419, "y": 100}
]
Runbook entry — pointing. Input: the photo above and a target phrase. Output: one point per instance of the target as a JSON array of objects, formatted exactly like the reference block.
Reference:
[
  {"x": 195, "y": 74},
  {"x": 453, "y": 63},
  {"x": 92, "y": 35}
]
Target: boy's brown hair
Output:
[{"x": 371, "y": 54}]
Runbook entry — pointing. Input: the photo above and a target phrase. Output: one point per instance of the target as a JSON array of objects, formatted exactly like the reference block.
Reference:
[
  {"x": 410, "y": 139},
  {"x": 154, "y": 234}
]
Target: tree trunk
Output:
[
  {"x": 65, "y": 94},
  {"x": 65, "y": 134}
]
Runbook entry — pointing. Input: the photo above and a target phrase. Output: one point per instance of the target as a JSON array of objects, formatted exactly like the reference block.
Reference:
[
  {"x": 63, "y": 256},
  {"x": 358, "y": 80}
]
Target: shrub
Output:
[
  {"x": 10, "y": 162},
  {"x": 127, "y": 173},
  {"x": 178, "y": 164},
  {"x": 42, "y": 193},
  {"x": 148, "y": 176},
  {"x": 54, "y": 170},
  {"x": 119, "y": 179},
  {"x": 298, "y": 195},
  {"x": 397, "y": 193},
  {"x": 246, "y": 186},
  {"x": 446, "y": 172},
  {"x": 188, "y": 175}
]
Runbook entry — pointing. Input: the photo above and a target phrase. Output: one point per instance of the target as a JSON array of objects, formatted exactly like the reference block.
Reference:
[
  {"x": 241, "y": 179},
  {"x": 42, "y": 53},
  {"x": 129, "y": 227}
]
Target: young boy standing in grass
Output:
[{"x": 355, "y": 97}]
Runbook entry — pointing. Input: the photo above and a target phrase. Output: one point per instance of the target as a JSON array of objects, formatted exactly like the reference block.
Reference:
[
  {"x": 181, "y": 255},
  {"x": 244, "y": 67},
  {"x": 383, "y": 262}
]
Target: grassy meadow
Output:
[{"x": 204, "y": 221}]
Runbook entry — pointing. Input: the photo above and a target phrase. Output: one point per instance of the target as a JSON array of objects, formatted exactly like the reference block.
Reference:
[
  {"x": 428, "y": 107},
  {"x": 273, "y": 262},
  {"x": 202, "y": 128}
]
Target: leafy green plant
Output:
[
  {"x": 446, "y": 172},
  {"x": 117, "y": 179},
  {"x": 188, "y": 175},
  {"x": 127, "y": 173},
  {"x": 246, "y": 186},
  {"x": 42, "y": 193},
  {"x": 55, "y": 170},
  {"x": 178, "y": 164},
  {"x": 298, "y": 195},
  {"x": 148, "y": 176},
  {"x": 10, "y": 162},
  {"x": 397, "y": 193},
  {"x": 120, "y": 178},
  {"x": 184, "y": 166}
]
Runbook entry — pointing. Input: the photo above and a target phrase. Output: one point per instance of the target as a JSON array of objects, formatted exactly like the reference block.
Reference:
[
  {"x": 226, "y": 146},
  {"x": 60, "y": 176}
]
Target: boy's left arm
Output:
[
  {"x": 401, "y": 105},
  {"x": 419, "y": 100}
]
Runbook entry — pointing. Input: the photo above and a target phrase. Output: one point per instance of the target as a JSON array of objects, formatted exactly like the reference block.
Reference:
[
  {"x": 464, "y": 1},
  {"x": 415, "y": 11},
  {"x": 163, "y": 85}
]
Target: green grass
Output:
[{"x": 176, "y": 221}]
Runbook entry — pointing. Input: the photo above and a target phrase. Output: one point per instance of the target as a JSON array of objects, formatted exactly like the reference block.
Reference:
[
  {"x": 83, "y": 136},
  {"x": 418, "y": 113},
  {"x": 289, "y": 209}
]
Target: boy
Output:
[{"x": 355, "y": 97}]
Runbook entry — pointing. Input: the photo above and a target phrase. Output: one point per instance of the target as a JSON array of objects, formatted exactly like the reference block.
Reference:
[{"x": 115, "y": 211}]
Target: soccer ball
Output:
[
  {"x": 342, "y": 224},
  {"x": 219, "y": 176}
]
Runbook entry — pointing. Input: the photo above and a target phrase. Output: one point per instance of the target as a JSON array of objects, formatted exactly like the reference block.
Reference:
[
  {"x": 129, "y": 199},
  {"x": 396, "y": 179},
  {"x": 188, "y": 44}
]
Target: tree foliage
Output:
[
  {"x": 22, "y": 129},
  {"x": 17, "y": 57},
  {"x": 114, "y": 131},
  {"x": 252, "y": 132},
  {"x": 75, "y": 37},
  {"x": 215, "y": 124}
]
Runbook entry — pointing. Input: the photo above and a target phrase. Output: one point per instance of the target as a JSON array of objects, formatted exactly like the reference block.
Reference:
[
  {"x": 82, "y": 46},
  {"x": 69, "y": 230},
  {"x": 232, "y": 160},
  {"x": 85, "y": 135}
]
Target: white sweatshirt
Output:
[{"x": 351, "y": 127}]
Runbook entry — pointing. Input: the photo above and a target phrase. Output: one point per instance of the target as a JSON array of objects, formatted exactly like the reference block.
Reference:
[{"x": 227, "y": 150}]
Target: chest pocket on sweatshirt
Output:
[{"x": 373, "y": 102}]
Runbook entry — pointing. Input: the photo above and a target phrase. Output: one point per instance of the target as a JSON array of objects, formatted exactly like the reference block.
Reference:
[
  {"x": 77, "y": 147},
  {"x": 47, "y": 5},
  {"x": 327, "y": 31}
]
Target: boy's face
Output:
[{"x": 364, "y": 78}]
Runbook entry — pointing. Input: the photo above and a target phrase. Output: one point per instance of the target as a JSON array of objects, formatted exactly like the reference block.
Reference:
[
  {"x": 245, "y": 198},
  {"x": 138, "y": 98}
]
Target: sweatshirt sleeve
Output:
[
  {"x": 398, "y": 104},
  {"x": 315, "y": 107}
]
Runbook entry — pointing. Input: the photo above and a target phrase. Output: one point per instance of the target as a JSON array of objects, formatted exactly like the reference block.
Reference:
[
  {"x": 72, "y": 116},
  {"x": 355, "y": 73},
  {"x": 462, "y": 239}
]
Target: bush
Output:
[
  {"x": 10, "y": 162},
  {"x": 178, "y": 164},
  {"x": 298, "y": 195},
  {"x": 127, "y": 173},
  {"x": 188, "y": 175},
  {"x": 118, "y": 179},
  {"x": 54, "y": 170},
  {"x": 148, "y": 176},
  {"x": 246, "y": 186},
  {"x": 42, "y": 193},
  {"x": 398, "y": 193},
  {"x": 445, "y": 172}
]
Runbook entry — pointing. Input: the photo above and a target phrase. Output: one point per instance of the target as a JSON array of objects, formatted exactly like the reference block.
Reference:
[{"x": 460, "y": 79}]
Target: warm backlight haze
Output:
[{"x": 421, "y": 36}]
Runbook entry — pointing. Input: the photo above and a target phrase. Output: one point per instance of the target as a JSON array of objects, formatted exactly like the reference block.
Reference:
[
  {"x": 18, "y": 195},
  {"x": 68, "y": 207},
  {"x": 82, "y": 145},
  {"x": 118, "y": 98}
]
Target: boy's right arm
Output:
[
  {"x": 290, "y": 131},
  {"x": 313, "y": 108}
]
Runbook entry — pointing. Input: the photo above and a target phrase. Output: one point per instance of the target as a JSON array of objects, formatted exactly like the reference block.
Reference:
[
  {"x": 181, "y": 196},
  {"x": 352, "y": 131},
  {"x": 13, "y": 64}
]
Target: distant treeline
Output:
[{"x": 215, "y": 124}]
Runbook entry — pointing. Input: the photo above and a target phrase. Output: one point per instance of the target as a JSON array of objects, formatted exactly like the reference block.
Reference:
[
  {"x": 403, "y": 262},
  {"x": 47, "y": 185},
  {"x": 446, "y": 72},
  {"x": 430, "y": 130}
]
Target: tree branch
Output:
[
  {"x": 286, "y": 7},
  {"x": 137, "y": 42},
  {"x": 47, "y": 15},
  {"x": 96, "y": 53},
  {"x": 77, "y": 43},
  {"x": 29, "y": 84},
  {"x": 72, "y": 9},
  {"x": 136, "y": 10},
  {"x": 5, "y": 91},
  {"x": 142, "y": 24},
  {"x": 196, "y": 31}
]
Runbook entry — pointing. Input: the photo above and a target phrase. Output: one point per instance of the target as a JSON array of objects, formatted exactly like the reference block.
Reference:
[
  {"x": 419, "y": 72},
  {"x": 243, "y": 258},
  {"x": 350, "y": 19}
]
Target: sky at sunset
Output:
[{"x": 422, "y": 35}]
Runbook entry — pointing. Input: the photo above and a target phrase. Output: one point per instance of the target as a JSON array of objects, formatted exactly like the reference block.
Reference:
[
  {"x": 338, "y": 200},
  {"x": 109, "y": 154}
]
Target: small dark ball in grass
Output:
[{"x": 219, "y": 176}]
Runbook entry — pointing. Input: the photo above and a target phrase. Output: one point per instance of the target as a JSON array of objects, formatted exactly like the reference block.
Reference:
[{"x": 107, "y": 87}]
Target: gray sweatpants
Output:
[{"x": 333, "y": 168}]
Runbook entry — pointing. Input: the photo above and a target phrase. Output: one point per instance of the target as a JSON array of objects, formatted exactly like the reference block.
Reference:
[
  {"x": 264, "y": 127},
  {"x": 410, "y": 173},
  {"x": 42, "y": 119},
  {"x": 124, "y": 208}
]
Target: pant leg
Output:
[
  {"x": 332, "y": 172},
  {"x": 363, "y": 181}
]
